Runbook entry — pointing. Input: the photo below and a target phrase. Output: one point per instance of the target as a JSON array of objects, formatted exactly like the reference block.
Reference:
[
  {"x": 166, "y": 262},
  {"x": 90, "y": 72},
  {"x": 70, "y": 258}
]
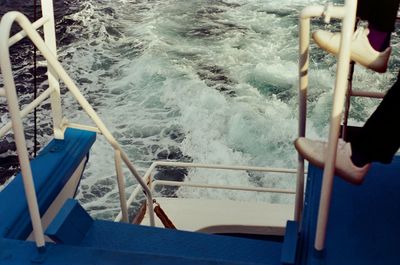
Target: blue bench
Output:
[{"x": 51, "y": 169}]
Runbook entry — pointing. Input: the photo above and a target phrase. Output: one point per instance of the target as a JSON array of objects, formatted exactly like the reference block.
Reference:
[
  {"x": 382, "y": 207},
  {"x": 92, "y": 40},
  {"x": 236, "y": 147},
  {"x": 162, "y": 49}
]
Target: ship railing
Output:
[
  {"x": 55, "y": 72},
  {"x": 347, "y": 14},
  {"x": 152, "y": 183}
]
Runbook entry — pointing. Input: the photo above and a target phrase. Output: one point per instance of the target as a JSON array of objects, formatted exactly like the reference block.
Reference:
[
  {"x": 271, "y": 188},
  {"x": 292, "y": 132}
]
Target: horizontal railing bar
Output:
[
  {"x": 22, "y": 34},
  {"x": 226, "y": 167},
  {"x": 224, "y": 187},
  {"x": 31, "y": 106},
  {"x": 147, "y": 175},
  {"x": 368, "y": 94}
]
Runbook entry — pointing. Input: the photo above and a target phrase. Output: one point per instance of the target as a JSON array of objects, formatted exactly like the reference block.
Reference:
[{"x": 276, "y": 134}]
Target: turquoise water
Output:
[{"x": 201, "y": 81}]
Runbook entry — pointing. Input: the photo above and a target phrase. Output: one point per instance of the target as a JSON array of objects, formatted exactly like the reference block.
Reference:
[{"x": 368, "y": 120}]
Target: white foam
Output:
[{"x": 162, "y": 70}]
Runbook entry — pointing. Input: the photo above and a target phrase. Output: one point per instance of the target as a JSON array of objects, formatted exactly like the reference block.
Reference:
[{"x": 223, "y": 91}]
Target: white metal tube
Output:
[
  {"x": 146, "y": 177},
  {"x": 137, "y": 190},
  {"x": 223, "y": 187},
  {"x": 50, "y": 40},
  {"x": 304, "y": 43},
  {"x": 319, "y": 11},
  {"x": 53, "y": 62},
  {"x": 12, "y": 100},
  {"x": 36, "y": 102},
  {"x": 226, "y": 167},
  {"x": 121, "y": 185},
  {"x": 337, "y": 108},
  {"x": 143, "y": 185},
  {"x": 22, "y": 34},
  {"x": 312, "y": 11}
]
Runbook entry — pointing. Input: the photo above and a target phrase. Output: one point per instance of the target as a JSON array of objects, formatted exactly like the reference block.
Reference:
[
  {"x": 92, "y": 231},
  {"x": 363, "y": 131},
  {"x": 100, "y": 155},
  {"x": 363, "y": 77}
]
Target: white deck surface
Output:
[{"x": 225, "y": 216}]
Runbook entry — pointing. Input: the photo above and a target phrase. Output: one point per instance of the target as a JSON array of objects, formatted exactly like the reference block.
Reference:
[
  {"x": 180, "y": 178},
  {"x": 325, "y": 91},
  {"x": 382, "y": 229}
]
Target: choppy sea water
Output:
[{"x": 195, "y": 80}]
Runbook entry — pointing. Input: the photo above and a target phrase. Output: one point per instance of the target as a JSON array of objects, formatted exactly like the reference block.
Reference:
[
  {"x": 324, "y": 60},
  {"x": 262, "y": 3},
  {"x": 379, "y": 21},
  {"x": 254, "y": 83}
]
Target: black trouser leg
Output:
[
  {"x": 379, "y": 138},
  {"x": 381, "y": 14}
]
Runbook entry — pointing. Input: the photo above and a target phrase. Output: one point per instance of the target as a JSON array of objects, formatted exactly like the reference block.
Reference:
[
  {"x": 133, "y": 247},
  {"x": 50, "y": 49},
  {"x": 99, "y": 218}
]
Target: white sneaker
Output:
[
  {"x": 315, "y": 153},
  {"x": 361, "y": 50}
]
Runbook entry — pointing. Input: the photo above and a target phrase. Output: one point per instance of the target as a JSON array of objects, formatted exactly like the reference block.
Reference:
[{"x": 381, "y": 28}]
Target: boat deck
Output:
[
  {"x": 364, "y": 226},
  {"x": 363, "y": 229},
  {"x": 225, "y": 216}
]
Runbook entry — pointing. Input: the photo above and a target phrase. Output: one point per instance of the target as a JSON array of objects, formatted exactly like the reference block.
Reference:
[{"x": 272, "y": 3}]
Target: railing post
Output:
[
  {"x": 336, "y": 115},
  {"x": 304, "y": 43},
  {"x": 121, "y": 185},
  {"x": 303, "y": 85},
  {"x": 18, "y": 129},
  {"x": 50, "y": 40}
]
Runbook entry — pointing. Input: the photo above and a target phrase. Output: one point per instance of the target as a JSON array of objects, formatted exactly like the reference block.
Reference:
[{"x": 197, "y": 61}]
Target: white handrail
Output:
[
  {"x": 22, "y": 34},
  {"x": 304, "y": 37},
  {"x": 31, "y": 106},
  {"x": 347, "y": 13},
  {"x": 329, "y": 11},
  {"x": 52, "y": 74},
  {"x": 12, "y": 101},
  {"x": 156, "y": 183},
  {"x": 339, "y": 94},
  {"x": 56, "y": 70},
  {"x": 121, "y": 186},
  {"x": 148, "y": 175}
]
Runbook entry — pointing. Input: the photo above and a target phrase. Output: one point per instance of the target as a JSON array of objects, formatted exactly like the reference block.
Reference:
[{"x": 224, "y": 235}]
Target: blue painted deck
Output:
[
  {"x": 364, "y": 224},
  {"x": 15, "y": 252},
  {"x": 51, "y": 169},
  {"x": 74, "y": 227}
]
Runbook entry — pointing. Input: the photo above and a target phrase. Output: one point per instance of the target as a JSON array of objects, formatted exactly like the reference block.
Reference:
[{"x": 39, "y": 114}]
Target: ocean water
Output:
[{"x": 206, "y": 81}]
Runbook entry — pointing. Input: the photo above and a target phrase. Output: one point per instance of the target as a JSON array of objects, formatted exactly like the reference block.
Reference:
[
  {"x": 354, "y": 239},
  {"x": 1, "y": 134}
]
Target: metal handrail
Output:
[
  {"x": 17, "y": 125},
  {"x": 347, "y": 14},
  {"x": 151, "y": 183},
  {"x": 367, "y": 94},
  {"x": 22, "y": 34},
  {"x": 29, "y": 108},
  {"x": 57, "y": 70},
  {"x": 156, "y": 183}
]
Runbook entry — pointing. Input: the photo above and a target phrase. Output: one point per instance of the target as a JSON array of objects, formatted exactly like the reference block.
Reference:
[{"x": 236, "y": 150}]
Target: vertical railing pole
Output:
[
  {"x": 121, "y": 185},
  {"x": 146, "y": 189},
  {"x": 50, "y": 40},
  {"x": 304, "y": 43},
  {"x": 336, "y": 114},
  {"x": 303, "y": 85},
  {"x": 18, "y": 130}
]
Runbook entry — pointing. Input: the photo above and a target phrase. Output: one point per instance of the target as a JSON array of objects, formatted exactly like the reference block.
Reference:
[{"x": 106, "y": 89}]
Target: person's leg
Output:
[
  {"x": 370, "y": 48},
  {"x": 379, "y": 138},
  {"x": 381, "y": 16}
]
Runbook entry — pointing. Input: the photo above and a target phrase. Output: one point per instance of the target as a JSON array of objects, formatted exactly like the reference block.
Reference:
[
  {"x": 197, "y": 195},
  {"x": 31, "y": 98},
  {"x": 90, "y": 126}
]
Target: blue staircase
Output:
[
  {"x": 364, "y": 226},
  {"x": 73, "y": 226}
]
